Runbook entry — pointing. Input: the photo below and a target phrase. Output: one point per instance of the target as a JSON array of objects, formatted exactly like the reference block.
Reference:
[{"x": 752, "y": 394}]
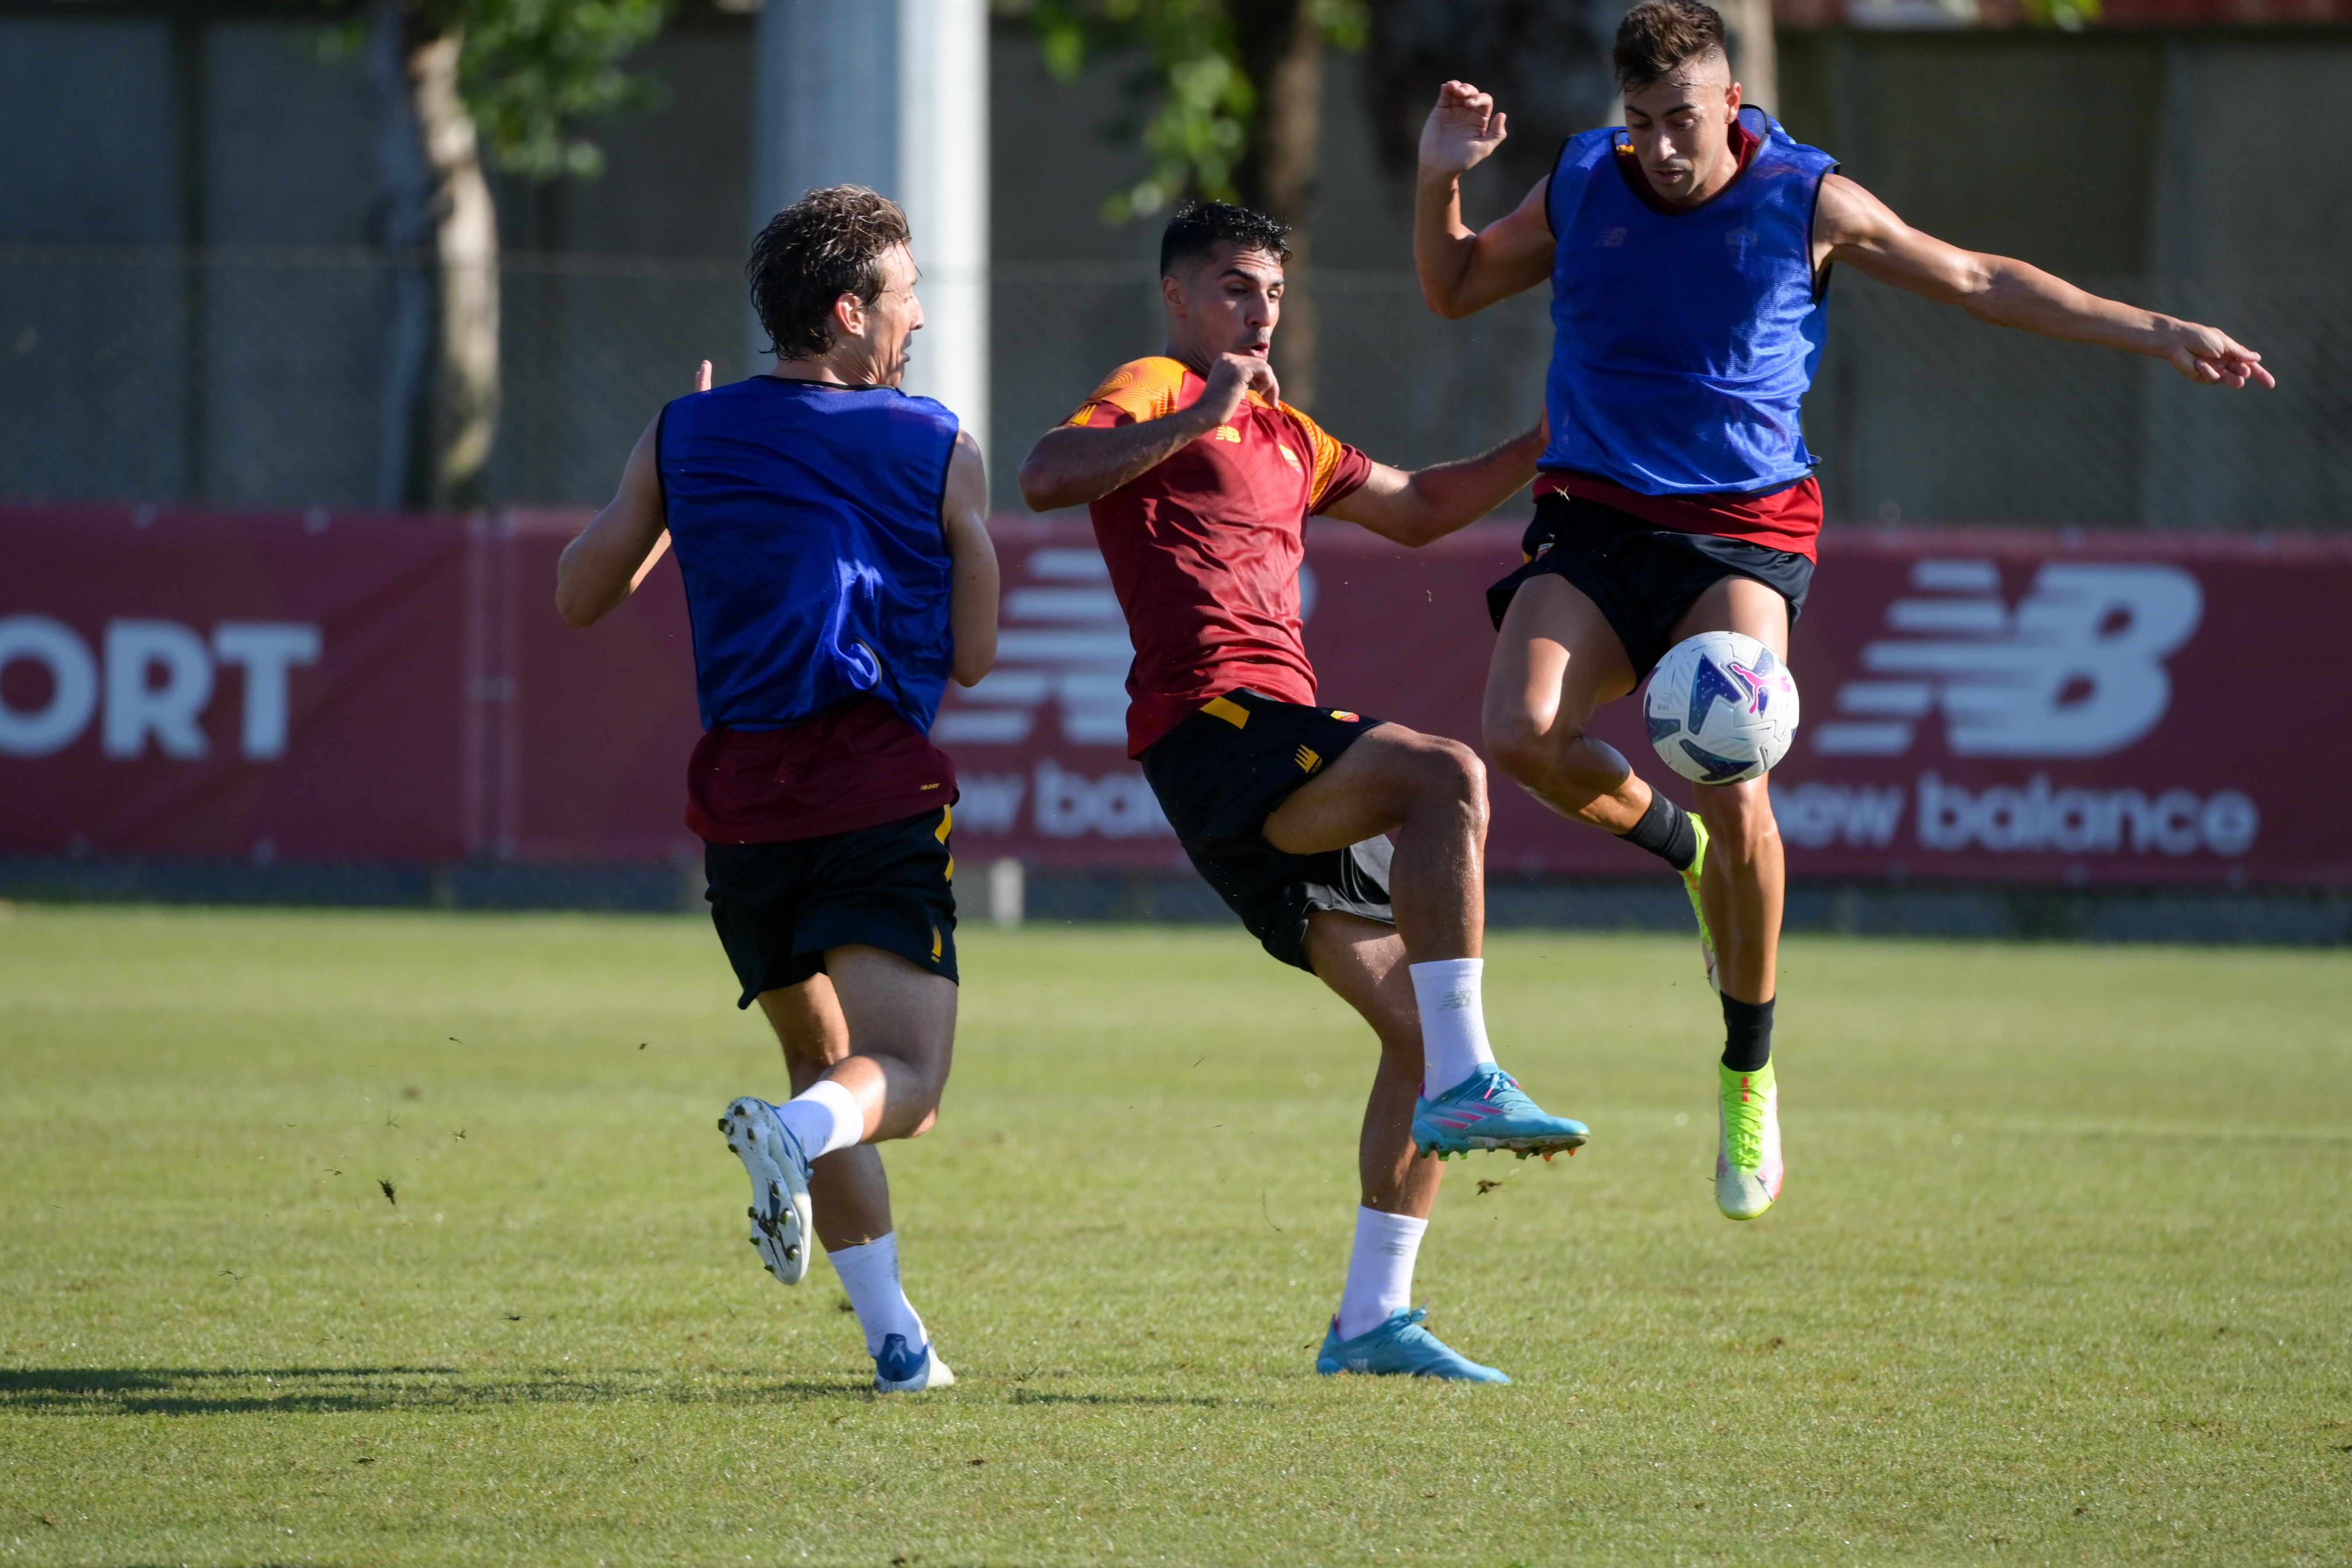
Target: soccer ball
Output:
[{"x": 1721, "y": 708}]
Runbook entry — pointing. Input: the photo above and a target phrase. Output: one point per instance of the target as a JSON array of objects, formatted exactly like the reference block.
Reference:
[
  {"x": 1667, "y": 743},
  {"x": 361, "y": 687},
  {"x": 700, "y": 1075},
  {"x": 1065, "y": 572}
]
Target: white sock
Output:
[
  {"x": 1379, "y": 1270},
  {"x": 870, "y": 1275},
  {"x": 826, "y": 1118},
  {"x": 1453, "y": 1022}
]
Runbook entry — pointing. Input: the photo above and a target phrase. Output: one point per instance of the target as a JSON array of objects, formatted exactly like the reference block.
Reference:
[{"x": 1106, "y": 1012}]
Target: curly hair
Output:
[
  {"x": 1199, "y": 227},
  {"x": 827, "y": 244},
  {"x": 1659, "y": 35}
]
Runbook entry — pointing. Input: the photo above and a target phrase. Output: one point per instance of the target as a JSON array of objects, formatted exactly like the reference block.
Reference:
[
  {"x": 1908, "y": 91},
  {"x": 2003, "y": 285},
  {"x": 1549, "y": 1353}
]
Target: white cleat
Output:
[
  {"x": 1748, "y": 1169},
  {"x": 779, "y": 1173},
  {"x": 898, "y": 1370}
]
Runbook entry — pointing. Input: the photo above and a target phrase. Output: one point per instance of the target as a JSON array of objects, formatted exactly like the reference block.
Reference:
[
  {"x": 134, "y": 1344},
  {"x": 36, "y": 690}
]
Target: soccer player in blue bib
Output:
[
  {"x": 1689, "y": 254},
  {"x": 831, "y": 530}
]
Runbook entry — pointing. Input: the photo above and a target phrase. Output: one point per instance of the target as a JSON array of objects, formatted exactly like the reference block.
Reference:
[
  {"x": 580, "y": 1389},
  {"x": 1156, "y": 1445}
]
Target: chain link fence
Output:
[{"x": 260, "y": 378}]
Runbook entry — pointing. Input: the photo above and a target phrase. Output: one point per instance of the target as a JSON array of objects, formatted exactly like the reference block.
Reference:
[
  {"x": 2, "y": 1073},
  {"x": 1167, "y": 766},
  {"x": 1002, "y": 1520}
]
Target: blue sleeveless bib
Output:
[
  {"x": 806, "y": 522},
  {"x": 1682, "y": 344}
]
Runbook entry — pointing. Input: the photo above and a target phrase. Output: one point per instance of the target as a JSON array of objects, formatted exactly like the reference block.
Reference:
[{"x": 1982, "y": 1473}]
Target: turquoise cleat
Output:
[
  {"x": 1488, "y": 1109},
  {"x": 1400, "y": 1347}
]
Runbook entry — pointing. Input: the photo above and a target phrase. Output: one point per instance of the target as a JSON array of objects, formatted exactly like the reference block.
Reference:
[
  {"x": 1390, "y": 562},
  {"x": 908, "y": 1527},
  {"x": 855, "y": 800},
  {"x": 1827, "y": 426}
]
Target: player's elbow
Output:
[
  {"x": 574, "y": 602},
  {"x": 972, "y": 661},
  {"x": 1443, "y": 301},
  {"x": 1042, "y": 488}
]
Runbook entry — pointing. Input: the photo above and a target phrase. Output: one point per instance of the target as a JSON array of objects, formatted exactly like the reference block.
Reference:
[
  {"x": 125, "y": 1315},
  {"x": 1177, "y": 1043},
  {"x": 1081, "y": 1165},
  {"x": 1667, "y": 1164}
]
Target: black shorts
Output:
[
  {"x": 1221, "y": 773},
  {"x": 778, "y": 906},
  {"x": 1642, "y": 578}
]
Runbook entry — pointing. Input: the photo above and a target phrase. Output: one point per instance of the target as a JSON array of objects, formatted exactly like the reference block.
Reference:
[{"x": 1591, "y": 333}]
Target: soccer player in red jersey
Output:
[
  {"x": 1200, "y": 480},
  {"x": 1689, "y": 255}
]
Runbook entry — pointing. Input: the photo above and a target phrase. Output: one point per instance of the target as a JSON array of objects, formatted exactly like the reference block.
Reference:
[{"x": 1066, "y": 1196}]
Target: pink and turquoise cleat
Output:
[
  {"x": 1400, "y": 1347},
  {"x": 1489, "y": 1111}
]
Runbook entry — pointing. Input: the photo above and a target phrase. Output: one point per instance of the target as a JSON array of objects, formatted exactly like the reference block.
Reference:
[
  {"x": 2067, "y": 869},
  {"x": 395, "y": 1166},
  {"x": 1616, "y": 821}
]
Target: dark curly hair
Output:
[
  {"x": 1199, "y": 227},
  {"x": 1659, "y": 35},
  {"x": 827, "y": 244}
]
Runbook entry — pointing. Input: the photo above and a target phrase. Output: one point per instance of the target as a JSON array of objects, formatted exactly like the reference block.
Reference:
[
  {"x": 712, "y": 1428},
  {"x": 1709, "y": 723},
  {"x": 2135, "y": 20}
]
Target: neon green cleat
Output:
[
  {"x": 1747, "y": 1168},
  {"x": 1690, "y": 886}
]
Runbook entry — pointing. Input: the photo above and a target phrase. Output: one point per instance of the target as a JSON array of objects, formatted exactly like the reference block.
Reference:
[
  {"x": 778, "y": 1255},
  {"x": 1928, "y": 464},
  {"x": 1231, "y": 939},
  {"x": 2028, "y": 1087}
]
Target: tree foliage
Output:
[
  {"x": 532, "y": 70},
  {"x": 1197, "y": 103}
]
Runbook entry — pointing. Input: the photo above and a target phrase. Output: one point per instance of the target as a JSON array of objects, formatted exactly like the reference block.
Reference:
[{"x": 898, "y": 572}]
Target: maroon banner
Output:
[
  {"x": 2085, "y": 708},
  {"x": 1992, "y": 705},
  {"x": 1985, "y": 705},
  {"x": 232, "y": 684}
]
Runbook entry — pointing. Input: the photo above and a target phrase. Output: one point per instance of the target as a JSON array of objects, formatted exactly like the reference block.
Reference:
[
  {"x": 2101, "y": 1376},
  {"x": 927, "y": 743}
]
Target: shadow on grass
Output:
[{"x": 305, "y": 1390}]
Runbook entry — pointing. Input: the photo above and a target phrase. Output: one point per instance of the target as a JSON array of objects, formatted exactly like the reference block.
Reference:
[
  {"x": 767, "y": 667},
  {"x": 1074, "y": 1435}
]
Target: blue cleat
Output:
[
  {"x": 898, "y": 1370},
  {"x": 773, "y": 1158},
  {"x": 1488, "y": 1109},
  {"x": 1400, "y": 1348}
]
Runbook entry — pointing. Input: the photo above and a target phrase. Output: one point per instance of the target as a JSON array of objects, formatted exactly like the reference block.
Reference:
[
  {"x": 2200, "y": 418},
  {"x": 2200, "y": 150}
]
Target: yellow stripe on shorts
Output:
[{"x": 1231, "y": 712}]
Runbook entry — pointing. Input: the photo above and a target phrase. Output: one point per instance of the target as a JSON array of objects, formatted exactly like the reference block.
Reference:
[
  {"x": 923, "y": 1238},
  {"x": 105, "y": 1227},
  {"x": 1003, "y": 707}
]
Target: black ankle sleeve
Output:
[
  {"x": 1746, "y": 1034},
  {"x": 1665, "y": 831}
]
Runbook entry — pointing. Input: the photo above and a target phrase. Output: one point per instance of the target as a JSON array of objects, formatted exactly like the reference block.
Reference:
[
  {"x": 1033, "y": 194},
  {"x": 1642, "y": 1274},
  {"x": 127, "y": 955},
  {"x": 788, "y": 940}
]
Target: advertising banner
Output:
[
  {"x": 1985, "y": 705},
  {"x": 246, "y": 685},
  {"x": 1980, "y": 706},
  {"x": 2123, "y": 708}
]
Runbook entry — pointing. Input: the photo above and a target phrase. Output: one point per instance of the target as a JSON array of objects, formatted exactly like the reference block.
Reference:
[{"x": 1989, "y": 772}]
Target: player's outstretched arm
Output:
[
  {"x": 1075, "y": 464},
  {"x": 1852, "y": 226},
  {"x": 1462, "y": 271},
  {"x": 1427, "y": 504},
  {"x": 971, "y": 598}
]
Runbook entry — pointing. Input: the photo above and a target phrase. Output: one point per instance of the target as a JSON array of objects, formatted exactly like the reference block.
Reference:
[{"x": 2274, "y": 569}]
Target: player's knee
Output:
[
  {"x": 1451, "y": 771},
  {"x": 1515, "y": 744},
  {"x": 1738, "y": 813}
]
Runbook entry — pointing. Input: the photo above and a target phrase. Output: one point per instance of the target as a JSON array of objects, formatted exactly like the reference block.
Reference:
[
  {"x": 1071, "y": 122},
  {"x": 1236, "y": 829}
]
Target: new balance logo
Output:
[
  {"x": 2076, "y": 670},
  {"x": 1064, "y": 640}
]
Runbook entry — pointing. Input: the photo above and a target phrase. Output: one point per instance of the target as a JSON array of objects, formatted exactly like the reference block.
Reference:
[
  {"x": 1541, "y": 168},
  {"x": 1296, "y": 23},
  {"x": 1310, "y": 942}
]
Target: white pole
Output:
[
  {"x": 943, "y": 185},
  {"x": 891, "y": 94},
  {"x": 1007, "y": 891}
]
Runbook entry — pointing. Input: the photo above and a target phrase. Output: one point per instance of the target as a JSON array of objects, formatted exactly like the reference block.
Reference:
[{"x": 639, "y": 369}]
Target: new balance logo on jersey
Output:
[{"x": 2077, "y": 669}]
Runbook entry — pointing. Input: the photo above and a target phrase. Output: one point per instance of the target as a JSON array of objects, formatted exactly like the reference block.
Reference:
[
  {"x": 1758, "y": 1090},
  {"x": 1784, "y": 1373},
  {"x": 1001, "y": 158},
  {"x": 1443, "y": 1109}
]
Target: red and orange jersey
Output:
[{"x": 1204, "y": 549}]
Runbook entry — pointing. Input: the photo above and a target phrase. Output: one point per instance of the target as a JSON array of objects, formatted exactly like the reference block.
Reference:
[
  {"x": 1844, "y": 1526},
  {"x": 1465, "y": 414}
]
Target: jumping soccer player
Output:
[
  {"x": 1200, "y": 480},
  {"x": 838, "y": 572},
  {"x": 1689, "y": 255}
]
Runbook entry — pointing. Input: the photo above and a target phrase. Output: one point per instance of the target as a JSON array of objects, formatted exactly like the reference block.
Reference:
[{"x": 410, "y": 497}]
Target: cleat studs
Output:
[
  {"x": 792, "y": 1253},
  {"x": 722, "y": 1124},
  {"x": 770, "y": 1267}
]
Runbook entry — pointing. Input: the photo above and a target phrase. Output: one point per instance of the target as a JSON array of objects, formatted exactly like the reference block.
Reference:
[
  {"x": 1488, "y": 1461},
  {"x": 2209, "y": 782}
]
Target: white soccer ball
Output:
[{"x": 1721, "y": 708}]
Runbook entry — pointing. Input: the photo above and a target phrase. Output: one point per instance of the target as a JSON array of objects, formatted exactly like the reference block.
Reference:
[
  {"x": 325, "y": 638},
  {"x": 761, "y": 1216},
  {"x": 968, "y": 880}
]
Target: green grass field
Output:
[{"x": 2064, "y": 1270}]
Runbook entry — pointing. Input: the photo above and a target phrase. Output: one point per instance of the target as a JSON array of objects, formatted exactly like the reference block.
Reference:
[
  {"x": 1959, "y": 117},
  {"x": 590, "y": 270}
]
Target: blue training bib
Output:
[
  {"x": 1683, "y": 343},
  {"x": 806, "y": 521}
]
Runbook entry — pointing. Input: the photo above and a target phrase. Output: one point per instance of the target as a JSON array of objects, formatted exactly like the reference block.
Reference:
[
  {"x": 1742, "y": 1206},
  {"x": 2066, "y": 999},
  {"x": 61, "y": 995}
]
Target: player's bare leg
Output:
[
  {"x": 1363, "y": 963},
  {"x": 1432, "y": 794},
  {"x": 1745, "y": 881},
  {"x": 906, "y": 1018},
  {"x": 1377, "y": 1329},
  {"x": 1556, "y": 661},
  {"x": 847, "y": 1187}
]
